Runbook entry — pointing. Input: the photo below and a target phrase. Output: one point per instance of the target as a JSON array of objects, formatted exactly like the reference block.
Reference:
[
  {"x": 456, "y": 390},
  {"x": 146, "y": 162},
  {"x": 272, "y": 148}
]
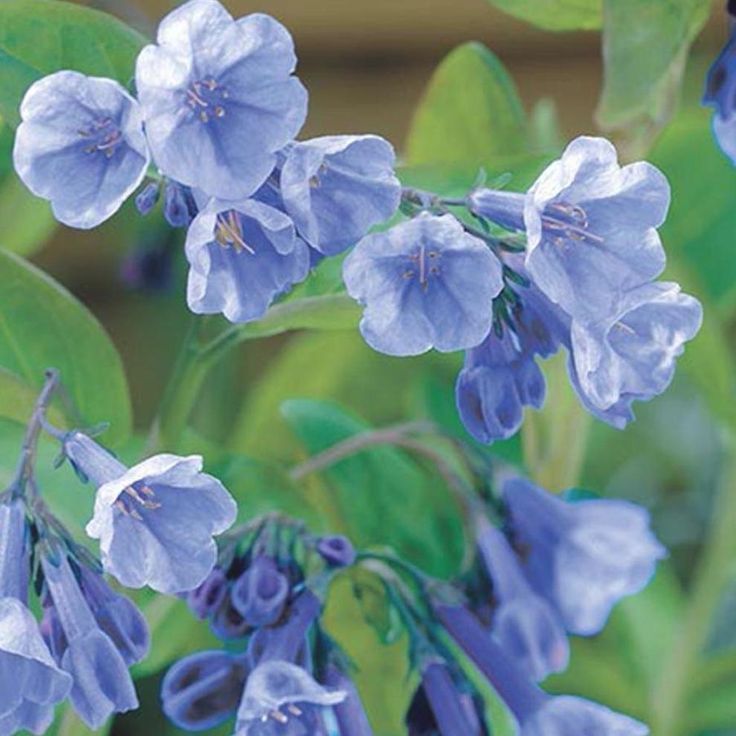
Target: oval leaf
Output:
[{"x": 42, "y": 325}]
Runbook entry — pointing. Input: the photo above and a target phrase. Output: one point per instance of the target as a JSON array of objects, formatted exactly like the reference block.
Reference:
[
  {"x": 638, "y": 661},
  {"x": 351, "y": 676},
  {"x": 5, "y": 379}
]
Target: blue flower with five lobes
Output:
[
  {"x": 81, "y": 146},
  {"x": 30, "y": 681},
  {"x": 101, "y": 682},
  {"x": 218, "y": 97},
  {"x": 583, "y": 556},
  {"x": 524, "y": 623},
  {"x": 501, "y": 376},
  {"x": 155, "y": 521},
  {"x": 337, "y": 187},
  {"x": 631, "y": 355},
  {"x": 591, "y": 226},
  {"x": 241, "y": 257},
  {"x": 425, "y": 284}
]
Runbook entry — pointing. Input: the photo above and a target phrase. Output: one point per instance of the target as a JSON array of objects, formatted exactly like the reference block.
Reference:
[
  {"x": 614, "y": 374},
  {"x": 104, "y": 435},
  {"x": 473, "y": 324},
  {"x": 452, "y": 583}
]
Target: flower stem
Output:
[{"x": 671, "y": 698}]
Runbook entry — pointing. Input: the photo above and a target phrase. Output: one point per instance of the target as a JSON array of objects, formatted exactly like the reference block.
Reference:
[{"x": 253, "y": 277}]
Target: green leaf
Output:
[
  {"x": 27, "y": 220},
  {"x": 645, "y": 48},
  {"x": 470, "y": 115},
  {"x": 555, "y": 15},
  {"x": 383, "y": 495},
  {"x": 38, "y": 37},
  {"x": 41, "y": 326}
]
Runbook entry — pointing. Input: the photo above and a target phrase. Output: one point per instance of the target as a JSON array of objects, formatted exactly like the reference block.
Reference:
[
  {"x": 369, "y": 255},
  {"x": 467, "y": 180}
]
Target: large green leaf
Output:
[
  {"x": 383, "y": 496},
  {"x": 38, "y": 37},
  {"x": 42, "y": 325},
  {"x": 555, "y": 15},
  {"x": 471, "y": 114},
  {"x": 645, "y": 47}
]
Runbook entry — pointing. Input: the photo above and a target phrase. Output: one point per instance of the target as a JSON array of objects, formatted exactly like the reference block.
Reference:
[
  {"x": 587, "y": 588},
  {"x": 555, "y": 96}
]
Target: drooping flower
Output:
[
  {"x": 583, "y": 557},
  {"x": 117, "y": 616},
  {"x": 241, "y": 257},
  {"x": 180, "y": 207},
  {"x": 631, "y": 355},
  {"x": 260, "y": 593},
  {"x": 30, "y": 682},
  {"x": 203, "y": 690},
  {"x": 281, "y": 698},
  {"x": 337, "y": 187},
  {"x": 501, "y": 376},
  {"x": 81, "y": 146},
  {"x": 101, "y": 682},
  {"x": 591, "y": 227},
  {"x": 537, "y": 713},
  {"x": 156, "y": 520},
  {"x": 350, "y": 715},
  {"x": 720, "y": 93},
  {"x": 218, "y": 97},
  {"x": 424, "y": 284},
  {"x": 440, "y": 707},
  {"x": 525, "y": 625}
]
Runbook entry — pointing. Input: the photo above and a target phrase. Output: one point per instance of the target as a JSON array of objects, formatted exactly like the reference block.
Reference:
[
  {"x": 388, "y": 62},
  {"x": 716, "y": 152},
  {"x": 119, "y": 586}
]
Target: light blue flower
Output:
[
  {"x": 583, "y": 557},
  {"x": 101, "y": 682},
  {"x": 203, "y": 690},
  {"x": 501, "y": 376},
  {"x": 218, "y": 97},
  {"x": 631, "y": 355},
  {"x": 525, "y": 624},
  {"x": 282, "y": 699},
  {"x": 260, "y": 593},
  {"x": 241, "y": 257},
  {"x": 425, "y": 284},
  {"x": 591, "y": 226},
  {"x": 81, "y": 146},
  {"x": 567, "y": 714},
  {"x": 156, "y": 520},
  {"x": 337, "y": 187}
]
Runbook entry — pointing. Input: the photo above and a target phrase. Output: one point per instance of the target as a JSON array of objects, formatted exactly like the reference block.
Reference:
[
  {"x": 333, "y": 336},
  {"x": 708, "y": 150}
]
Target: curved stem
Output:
[{"x": 714, "y": 571}]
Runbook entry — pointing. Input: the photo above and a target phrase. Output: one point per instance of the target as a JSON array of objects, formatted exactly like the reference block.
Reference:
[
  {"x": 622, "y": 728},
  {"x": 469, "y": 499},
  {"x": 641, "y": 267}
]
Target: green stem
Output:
[{"x": 713, "y": 574}]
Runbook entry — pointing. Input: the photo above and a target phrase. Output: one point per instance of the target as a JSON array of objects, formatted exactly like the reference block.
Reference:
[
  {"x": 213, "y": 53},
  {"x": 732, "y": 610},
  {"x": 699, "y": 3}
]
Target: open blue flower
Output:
[
  {"x": 81, "y": 146},
  {"x": 631, "y": 355},
  {"x": 337, "y": 187},
  {"x": 524, "y": 623},
  {"x": 156, "y": 520},
  {"x": 583, "y": 557},
  {"x": 425, "y": 284},
  {"x": 501, "y": 376},
  {"x": 282, "y": 699},
  {"x": 101, "y": 682},
  {"x": 203, "y": 690},
  {"x": 241, "y": 257},
  {"x": 218, "y": 97},
  {"x": 591, "y": 226}
]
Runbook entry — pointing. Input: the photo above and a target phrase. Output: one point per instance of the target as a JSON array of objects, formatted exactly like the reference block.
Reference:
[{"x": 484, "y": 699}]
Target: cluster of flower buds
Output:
[
  {"x": 155, "y": 524},
  {"x": 287, "y": 676}
]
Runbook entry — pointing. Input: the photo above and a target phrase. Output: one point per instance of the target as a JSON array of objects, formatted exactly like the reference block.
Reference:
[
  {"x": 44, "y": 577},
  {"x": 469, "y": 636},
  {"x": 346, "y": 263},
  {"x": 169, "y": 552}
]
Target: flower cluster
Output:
[
  {"x": 281, "y": 673},
  {"x": 217, "y": 111},
  {"x": 579, "y": 559},
  {"x": 582, "y": 276},
  {"x": 155, "y": 523}
]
